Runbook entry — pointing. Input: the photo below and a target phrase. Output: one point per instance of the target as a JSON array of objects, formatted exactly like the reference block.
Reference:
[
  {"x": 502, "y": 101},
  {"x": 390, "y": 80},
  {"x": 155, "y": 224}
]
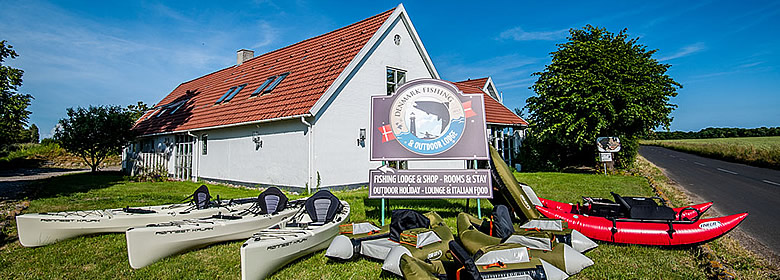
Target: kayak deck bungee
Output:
[
  {"x": 148, "y": 244},
  {"x": 648, "y": 232},
  {"x": 39, "y": 229},
  {"x": 270, "y": 249}
]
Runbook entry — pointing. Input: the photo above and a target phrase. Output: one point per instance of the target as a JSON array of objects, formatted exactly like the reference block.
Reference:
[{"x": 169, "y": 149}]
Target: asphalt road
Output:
[{"x": 735, "y": 188}]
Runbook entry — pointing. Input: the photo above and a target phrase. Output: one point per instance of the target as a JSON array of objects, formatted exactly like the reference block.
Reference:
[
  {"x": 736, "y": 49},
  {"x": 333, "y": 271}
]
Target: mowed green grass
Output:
[
  {"x": 757, "y": 151},
  {"x": 105, "y": 256}
]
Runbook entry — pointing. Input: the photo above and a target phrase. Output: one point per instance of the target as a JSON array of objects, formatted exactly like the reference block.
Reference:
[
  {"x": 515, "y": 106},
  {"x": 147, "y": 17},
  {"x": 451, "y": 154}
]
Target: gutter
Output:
[
  {"x": 310, "y": 154},
  {"x": 228, "y": 125}
]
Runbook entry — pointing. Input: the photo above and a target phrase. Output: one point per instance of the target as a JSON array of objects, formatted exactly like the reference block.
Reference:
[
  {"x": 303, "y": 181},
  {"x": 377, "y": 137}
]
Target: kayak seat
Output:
[
  {"x": 643, "y": 210},
  {"x": 500, "y": 223},
  {"x": 271, "y": 201},
  {"x": 322, "y": 207},
  {"x": 201, "y": 197},
  {"x": 603, "y": 207}
]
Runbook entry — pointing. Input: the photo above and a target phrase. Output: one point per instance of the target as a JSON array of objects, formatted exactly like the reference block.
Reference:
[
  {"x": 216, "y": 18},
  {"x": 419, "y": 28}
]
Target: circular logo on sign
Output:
[{"x": 427, "y": 118}]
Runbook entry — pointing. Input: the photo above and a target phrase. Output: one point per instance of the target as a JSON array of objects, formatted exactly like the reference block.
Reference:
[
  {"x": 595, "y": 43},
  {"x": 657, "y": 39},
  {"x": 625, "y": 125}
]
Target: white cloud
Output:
[
  {"x": 685, "y": 51},
  {"x": 518, "y": 34}
]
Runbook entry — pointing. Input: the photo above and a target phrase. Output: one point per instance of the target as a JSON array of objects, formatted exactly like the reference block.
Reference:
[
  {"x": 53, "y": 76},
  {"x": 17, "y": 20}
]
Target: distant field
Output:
[{"x": 756, "y": 151}]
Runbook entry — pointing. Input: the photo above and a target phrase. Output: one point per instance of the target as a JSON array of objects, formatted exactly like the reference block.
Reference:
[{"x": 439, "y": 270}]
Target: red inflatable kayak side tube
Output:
[
  {"x": 688, "y": 214},
  {"x": 646, "y": 232}
]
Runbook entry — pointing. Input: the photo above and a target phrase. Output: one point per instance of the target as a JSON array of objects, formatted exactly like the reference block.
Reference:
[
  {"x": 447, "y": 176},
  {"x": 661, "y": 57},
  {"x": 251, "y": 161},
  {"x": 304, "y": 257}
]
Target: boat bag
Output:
[{"x": 405, "y": 219}]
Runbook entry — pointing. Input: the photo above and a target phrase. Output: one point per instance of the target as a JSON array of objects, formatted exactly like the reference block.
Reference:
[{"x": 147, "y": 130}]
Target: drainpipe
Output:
[
  {"x": 310, "y": 155},
  {"x": 195, "y": 156}
]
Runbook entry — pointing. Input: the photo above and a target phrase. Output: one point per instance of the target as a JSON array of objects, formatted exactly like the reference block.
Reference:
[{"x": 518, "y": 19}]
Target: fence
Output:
[{"x": 148, "y": 163}]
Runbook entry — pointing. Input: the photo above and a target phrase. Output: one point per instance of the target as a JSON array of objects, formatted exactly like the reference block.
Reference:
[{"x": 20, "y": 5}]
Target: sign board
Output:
[
  {"x": 608, "y": 144},
  {"x": 387, "y": 182},
  {"x": 605, "y": 157},
  {"x": 428, "y": 119}
]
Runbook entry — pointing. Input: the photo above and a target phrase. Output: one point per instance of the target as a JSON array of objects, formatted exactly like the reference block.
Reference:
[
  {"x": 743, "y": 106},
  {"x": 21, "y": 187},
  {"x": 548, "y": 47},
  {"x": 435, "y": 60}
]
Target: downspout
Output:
[
  {"x": 310, "y": 155},
  {"x": 195, "y": 155}
]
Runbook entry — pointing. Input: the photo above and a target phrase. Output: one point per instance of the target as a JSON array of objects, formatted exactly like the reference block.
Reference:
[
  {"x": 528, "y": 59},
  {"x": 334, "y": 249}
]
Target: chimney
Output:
[{"x": 244, "y": 55}]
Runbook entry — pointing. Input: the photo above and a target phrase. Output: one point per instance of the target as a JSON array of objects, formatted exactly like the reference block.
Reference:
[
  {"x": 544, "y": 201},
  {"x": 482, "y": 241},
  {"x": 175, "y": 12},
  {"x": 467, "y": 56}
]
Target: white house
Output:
[{"x": 296, "y": 116}]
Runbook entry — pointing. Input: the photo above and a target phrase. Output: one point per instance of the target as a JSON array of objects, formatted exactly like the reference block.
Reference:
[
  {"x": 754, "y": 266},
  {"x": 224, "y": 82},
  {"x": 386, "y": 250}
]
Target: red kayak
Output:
[
  {"x": 687, "y": 213},
  {"x": 647, "y": 232}
]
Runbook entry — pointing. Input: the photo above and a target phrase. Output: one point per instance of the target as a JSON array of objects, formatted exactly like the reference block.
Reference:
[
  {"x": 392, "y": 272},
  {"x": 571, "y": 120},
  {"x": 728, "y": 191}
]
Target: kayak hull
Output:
[
  {"x": 146, "y": 245},
  {"x": 270, "y": 249},
  {"x": 39, "y": 229},
  {"x": 648, "y": 232}
]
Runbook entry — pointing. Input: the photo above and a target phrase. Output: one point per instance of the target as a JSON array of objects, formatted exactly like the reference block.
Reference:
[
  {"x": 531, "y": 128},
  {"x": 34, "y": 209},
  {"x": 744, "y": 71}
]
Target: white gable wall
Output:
[{"x": 338, "y": 158}]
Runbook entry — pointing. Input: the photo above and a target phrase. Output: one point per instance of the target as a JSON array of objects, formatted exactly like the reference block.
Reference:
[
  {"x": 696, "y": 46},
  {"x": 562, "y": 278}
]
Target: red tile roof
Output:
[
  {"x": 313, "y": 65},
  {"x": 495, "y": 113}
]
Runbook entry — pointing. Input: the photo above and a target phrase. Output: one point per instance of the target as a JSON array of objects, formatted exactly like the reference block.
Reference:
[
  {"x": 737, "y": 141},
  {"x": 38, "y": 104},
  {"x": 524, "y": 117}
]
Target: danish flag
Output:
[
  {"x": 387, "y": 133},
  {"x": 467, "y": 109}
]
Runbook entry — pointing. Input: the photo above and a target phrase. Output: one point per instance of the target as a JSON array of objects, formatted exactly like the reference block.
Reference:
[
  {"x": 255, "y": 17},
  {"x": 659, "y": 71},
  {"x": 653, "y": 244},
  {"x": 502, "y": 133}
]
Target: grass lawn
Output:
[
  {"x": 757, "y": 151},
  {"x": 105, "y": 256}
]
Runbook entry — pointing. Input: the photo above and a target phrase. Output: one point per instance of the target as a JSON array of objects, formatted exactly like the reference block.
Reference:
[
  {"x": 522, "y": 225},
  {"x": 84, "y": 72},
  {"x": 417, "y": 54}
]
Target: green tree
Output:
[
  {"x": 13, "y": 105},
  {"x": 138, "y": 109},
  {"x": 95, "y": 133},
  {"x": 598, "y": 84}
]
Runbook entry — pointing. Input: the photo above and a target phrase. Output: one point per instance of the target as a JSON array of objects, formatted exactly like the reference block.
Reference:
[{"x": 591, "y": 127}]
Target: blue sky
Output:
[{"x": 76, "y": 53}]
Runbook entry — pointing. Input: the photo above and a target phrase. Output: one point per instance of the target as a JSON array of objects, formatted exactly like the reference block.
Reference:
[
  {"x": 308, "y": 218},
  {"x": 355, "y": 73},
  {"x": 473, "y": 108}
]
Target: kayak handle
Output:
[{"x": 698, "y": 214}]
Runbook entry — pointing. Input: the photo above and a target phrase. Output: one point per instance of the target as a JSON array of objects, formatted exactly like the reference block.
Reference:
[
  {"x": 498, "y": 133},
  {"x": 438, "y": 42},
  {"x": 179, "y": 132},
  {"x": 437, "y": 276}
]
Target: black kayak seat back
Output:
[
  {"x": 501, "y": 224},
  {"x": 462, "y": 257},
  {"x": 644, "y": 210},
  {"x": 322, "y": 207},
  {"x": 272, "y": 200},
  {"x": 406, "y": 219},
  {"x": 201, "y": 197}
]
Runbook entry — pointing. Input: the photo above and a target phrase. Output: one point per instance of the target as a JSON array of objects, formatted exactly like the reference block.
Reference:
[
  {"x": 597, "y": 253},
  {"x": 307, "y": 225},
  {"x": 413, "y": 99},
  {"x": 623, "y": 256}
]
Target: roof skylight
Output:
[
  {"x": 265, "y": 84},
  {"x": 276, "y": 82},
  {"x": 240, "y": 87},
  {"x": 225, "y": 95}
]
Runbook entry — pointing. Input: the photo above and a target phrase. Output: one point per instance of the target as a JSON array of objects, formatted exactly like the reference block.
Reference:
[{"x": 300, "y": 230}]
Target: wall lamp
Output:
[
  {"x": 256, "y": 139},
  {"x": 361, "y": 141}
]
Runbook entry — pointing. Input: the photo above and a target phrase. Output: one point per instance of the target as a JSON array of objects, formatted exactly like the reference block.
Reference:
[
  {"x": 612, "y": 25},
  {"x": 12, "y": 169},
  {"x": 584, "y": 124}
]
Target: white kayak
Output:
[
  {"x": 39, "y": 229},
  {"x": 270, "y": 249},
  {"x": 150, "y": 243}
]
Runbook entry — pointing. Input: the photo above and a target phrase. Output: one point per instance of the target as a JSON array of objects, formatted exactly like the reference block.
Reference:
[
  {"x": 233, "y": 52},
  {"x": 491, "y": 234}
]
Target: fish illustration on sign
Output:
[{"x": 438, "y": 109}]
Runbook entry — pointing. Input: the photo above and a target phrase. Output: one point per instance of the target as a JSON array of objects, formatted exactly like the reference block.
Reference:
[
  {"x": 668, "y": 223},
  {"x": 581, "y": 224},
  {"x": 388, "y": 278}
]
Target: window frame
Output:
[
  {"x": 276, "y": 83},
  {"x": 204, "y": 139},
  {"x": 396, "y": 81}
]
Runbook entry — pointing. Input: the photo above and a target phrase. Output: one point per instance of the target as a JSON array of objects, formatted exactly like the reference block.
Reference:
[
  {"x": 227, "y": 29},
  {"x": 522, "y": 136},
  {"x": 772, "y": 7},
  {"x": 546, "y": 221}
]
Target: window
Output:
[
  {"x": 492, "y": 91},
  {"x": 276, "y": 82},
  {"x": 178, "y": 105},
  {"x": 225, "y": 95},
  {"x": 204, "y": 144},
  {"x": 395, "y": 78},
  {"x": 235, "y": 92},
  {"x": 262, "y": 87}
]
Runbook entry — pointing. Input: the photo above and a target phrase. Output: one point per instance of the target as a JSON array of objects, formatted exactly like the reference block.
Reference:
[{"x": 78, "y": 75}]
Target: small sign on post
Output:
[{"x": 606, "y": 146}]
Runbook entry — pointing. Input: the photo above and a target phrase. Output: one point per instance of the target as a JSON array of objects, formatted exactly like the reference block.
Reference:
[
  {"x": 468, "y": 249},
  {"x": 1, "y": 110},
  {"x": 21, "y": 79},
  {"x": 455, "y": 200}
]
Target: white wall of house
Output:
[
  {"x": 233, "y": 155},
  {"x": 338, "y": 158}
]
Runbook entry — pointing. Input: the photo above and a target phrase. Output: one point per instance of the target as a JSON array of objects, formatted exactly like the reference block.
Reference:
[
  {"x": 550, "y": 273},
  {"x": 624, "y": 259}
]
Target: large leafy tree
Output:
[
  {"x": 95, "y": 133},
  {"x": 13, "y": 105},
  {"x": 598, "y": 84}
]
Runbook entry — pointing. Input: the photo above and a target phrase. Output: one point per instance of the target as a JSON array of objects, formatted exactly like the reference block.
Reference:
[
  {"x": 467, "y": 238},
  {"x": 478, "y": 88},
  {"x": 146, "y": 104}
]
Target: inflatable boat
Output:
[
  {"x": 508, "y": 261},
  {"x": 540, "y": 245},
  {"x": 498, "y": 228},
  {"x": 606, "y": 208},
  {"x": 39, "y": 229},
  {"x": 425, "y": 235},
  {"x": 148, "y": 244},
  {"x": 270, "y": 249},
  {"x": 641, "y": 223}
]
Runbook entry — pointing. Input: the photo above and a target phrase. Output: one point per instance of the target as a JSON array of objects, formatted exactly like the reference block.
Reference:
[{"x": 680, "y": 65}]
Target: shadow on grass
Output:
[
  {"x": 446, "y": 208},
  {"x": 72, "y": 183}
]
